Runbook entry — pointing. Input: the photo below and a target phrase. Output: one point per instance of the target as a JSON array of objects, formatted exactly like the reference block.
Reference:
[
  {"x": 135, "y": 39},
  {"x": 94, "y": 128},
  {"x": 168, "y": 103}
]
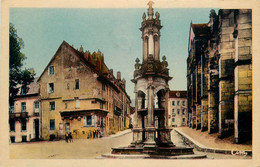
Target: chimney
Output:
[
  {"x": 118, "y": 75},
  {"x": 111, "y": 71},
  {"x": 123, "y": 82},
  {"x": 81, "y": 49}
]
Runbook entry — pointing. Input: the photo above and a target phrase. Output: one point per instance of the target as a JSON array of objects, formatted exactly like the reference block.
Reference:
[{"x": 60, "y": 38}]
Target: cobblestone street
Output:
[
  {"x": 84, "y": 149},
  {"x": 81, "y": 148}
]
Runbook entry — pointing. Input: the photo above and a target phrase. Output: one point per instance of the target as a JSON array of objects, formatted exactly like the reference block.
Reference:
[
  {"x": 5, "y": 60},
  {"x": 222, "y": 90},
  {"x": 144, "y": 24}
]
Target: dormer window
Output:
[
  {"x": 51, "y": 70},
  {"x": 78, "y": 67},
  {"x": 23, "y": 90}
]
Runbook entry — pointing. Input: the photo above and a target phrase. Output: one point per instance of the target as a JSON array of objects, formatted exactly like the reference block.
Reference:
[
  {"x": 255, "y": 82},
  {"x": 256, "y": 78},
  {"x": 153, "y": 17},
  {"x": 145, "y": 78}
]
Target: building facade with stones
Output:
[
  {"x": 177, "y": 107},
  {"x": 79, "y": 94},
  {"x": 24, "y": 115},
  {"x": 219, "y": 75}
]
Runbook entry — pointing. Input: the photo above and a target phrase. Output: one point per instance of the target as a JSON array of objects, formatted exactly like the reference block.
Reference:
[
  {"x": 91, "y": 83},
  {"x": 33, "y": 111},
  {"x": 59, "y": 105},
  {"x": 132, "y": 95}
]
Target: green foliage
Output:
[{"x": 17, "y": 75}]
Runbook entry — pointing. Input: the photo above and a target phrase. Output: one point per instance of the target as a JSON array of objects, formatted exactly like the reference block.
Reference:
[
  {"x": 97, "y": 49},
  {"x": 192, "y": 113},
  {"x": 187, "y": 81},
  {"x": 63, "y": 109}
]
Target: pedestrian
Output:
[
  {"x": 67, "y": 136},
  {"x": 98, "y": 133},
  {"x": 70, "y": 137},
  {"x": 94, "y": 134}
]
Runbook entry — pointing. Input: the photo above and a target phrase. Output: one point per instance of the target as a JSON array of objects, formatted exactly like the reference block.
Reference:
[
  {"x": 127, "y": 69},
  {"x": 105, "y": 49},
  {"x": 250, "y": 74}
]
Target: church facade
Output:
[{"x": 219, "y": 74}]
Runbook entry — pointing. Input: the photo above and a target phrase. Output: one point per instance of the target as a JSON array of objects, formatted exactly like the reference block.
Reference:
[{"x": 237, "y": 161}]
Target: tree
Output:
[{"x": 18, "y": 77}]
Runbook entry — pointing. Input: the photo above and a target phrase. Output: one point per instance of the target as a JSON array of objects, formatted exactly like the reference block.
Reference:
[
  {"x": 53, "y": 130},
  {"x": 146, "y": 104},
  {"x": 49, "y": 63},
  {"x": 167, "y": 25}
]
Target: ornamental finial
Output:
[{"x": 150, "y": 4}]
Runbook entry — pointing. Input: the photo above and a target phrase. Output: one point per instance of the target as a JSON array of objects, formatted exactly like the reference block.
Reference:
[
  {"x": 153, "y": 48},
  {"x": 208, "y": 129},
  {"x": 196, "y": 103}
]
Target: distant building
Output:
[
  {"x": 219, "y": 76},
  {"x": 79, "y": 94},
  {"x": 24, "y": 115},
  {"x": 177, "y": 107}
]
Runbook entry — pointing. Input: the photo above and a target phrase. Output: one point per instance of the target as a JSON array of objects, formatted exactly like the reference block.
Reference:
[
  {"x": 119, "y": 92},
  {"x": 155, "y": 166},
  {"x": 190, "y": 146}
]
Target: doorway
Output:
[
  {"x": 67, "y": 126},
  {"x": 36, "y": 129}
]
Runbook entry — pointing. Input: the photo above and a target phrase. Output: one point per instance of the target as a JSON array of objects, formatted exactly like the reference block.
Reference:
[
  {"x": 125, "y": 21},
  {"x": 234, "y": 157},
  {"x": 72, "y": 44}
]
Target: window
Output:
[
  {"x": 173, "y": 119},
  {"x": 178, "y": 111},
  {"x": 12, "y": 139},
  {"x": 76, "y": 84},
  {"x": 23, "y": 106},
  {"x": 66, "y": 105},
  {"x": 183, "y": 111},
  {"x": 24, "y": 138},
  {"x": 178, "y": 103},
  {"x": 89, "y": 120},
  {"x": 183, "y": 120},
  {"x": 103, "y": 86},
  {"x": 36, "y": 106},
  {"x": 51, "y": 70},
  {"x": 52, "y": 124},
  {"x": 77, "y": 102},
  {"x": 52, "y": 105},
  {"x": 183, "y": 103},
  {"x": 51, "y": 87},
  {"x": 12, "y": 125},
  {"x": 78, "y": 67},
  {"x": 23, "y": 90},
  {"x": 11, "y": 109},
  {"x": 23, "y": 124},
  {"x": 173, "y": 112},
  {"x": 173, "y": 103}
]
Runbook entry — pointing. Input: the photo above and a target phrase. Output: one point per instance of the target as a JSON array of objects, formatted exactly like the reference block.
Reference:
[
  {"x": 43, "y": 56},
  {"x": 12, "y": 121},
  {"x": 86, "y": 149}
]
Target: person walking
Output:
[
  {"x": 67, "y": 137},
  {"x": 70, "y": 137}
]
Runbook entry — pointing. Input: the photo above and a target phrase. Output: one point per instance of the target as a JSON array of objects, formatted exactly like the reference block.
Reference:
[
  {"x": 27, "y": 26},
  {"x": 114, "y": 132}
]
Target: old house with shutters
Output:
[
  {"x": 79, "y": 94},
  {"x": 24, "y": 114},
  {"x": 219, "y": 75}
]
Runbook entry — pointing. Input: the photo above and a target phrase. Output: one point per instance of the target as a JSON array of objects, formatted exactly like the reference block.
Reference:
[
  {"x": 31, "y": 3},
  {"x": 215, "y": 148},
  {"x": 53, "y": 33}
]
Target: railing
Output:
[
  {"x": 36, "y": 113},
  {"x": 19, "y": 115}
]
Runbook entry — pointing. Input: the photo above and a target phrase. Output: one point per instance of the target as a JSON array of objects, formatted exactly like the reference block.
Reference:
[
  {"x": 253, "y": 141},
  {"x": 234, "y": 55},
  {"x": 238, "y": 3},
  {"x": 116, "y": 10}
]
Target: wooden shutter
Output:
[
  {"x": 93, "y": 120},
  {"x": 84, "y": 121}
]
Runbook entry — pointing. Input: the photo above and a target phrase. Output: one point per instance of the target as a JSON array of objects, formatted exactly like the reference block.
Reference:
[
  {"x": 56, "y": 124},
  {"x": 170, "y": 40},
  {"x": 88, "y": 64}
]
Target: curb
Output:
[
  {"x": 121, "y": 133},
  {"x": 146, "y": 156},
  {"x": 202, "y": 148}
]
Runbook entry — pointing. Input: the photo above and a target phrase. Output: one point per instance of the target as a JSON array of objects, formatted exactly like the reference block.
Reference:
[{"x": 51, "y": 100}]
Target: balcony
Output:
[
  {"x": 18, "y": 115},
  {"x": 36, "y": 113}
]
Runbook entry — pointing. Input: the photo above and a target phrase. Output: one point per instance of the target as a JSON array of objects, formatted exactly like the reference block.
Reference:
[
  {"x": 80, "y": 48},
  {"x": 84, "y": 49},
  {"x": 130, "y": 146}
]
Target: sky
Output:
[{"x": 115, "y": 32}]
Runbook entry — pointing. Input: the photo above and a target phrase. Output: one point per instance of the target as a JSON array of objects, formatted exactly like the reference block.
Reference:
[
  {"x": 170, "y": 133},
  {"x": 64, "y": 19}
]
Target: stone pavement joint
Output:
[{"x": 203, "y": 148}]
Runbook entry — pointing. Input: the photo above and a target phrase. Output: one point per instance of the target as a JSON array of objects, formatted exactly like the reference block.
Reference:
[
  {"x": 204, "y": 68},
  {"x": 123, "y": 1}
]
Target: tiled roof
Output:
[
  {"x": 33, "y": 88},
  {"x": 95, "y": 60},
  {"x": 178, "y": 94}
]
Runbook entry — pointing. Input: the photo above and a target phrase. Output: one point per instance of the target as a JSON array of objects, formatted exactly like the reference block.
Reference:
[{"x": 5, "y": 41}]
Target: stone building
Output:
[
  {"x": 177, "y": 107},
  {"x": 79, "y": 94},
  {"x": 24, "y": 115},
  {"x": 219, "y": 76}
]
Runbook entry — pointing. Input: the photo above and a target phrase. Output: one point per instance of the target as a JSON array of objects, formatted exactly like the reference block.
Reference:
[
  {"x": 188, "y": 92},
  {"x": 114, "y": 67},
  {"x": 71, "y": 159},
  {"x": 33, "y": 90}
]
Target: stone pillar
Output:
[
  {"x": 151, "y": 44},
  {"x": 145, "y": 47},
  {"x": 156, "y": 47},
  {"x": 226, "y": 74},
  {"x": 150, "y": 128},
  {"x": 137, "y": 128},
  {"x": 243, "y": 75}
]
